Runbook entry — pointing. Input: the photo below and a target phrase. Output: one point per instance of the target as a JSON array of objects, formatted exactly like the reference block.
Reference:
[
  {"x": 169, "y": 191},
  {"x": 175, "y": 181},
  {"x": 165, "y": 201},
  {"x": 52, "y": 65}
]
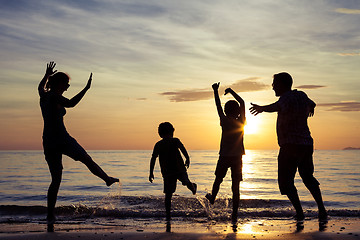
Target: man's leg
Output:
[
  {"x": 294, "y": 199},
  {"x": 287, "y": 167},
  {"x": 316, "y": 193},
  {"x": 306, "y": 171}
]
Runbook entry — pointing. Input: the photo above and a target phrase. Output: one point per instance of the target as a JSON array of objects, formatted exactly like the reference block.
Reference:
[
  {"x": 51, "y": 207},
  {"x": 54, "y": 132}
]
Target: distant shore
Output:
[{"x": 351, "y": 148}]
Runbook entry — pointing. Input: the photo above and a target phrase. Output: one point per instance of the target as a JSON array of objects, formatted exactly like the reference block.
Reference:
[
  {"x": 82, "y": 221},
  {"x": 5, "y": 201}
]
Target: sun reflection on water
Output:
[{"x": 248, "y": 170}]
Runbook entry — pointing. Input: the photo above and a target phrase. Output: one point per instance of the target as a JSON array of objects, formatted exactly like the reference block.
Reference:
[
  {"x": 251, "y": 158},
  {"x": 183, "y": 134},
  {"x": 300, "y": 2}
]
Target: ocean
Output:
[{"x": 24, "y": 180}]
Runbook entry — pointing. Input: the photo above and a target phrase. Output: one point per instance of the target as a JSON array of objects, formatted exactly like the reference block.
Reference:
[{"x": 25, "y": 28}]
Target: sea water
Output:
[{"x": 24, "y": 180}]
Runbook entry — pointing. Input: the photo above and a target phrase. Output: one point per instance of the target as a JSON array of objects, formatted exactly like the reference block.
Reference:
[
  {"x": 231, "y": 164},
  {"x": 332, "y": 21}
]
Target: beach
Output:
[
  {"x": 336, "y": 228},
  {"x": 134, "y": 209}
]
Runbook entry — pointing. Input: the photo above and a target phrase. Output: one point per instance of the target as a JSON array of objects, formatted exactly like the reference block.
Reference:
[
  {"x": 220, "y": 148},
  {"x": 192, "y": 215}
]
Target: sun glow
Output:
[{"x": 252, "y": 124}]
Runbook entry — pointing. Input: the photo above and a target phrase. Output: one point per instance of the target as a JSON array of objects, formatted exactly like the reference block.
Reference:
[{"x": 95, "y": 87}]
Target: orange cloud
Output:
[
  {"x": 347, "y": 11},
  {"x": 310, "y": 86},
  {"x": 342, "y": 106},
  {"x": 349, "y": 54}
]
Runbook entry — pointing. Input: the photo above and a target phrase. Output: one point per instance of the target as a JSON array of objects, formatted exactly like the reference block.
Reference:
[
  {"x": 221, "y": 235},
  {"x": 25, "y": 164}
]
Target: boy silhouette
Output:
[
  {"x": 295, "y": 141},
  {"x": 171, "y": 163},
  {"x": 231, "y": 147}
]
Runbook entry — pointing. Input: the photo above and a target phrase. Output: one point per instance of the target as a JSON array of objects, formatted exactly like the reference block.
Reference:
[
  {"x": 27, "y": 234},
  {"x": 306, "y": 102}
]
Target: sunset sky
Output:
[{"x": 155, "y": 61}]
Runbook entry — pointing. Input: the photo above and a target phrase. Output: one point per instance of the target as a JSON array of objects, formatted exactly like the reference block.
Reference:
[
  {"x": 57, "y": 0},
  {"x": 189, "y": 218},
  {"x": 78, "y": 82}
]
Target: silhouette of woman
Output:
[{"x": 56, "y": 140}]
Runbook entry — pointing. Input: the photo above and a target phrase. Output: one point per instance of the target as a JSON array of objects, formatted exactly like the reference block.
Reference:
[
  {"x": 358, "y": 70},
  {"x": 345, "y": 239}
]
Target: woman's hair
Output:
[
  {"x": 56, "y": 79},
  {"x": 165, "y": 128},
  {"x": 232, "y": 108}
]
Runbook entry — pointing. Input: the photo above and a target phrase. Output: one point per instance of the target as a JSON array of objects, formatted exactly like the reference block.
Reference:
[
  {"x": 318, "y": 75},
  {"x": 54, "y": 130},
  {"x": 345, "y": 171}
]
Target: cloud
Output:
[
  {"x": 350, "y": 106},
  {"x": 347, "y": 11},
  {"x": 187, "y": 95},
  {"x": 349, "y": 54},
  {"x": 310, "y": 86}
]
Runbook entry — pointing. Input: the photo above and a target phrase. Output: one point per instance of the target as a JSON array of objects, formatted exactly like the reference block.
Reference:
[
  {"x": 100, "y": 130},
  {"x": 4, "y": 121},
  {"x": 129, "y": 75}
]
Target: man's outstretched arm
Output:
[{"x": 256, "y": 109}]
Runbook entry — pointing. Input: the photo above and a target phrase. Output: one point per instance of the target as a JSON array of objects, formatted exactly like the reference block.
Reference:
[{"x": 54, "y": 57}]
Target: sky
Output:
[{"x": 155, "y": 61}]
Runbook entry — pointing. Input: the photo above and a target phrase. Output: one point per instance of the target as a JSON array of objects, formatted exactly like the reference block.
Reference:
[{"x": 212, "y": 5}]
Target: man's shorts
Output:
[
  {"x": 233, "y": 162},
  {"x": 171, "y": 181},
  {"x": 291, "y": 158},
  {"x": 70, "y": 147}
]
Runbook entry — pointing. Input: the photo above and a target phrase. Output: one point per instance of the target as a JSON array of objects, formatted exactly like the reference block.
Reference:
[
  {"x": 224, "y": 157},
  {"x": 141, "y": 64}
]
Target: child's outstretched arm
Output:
[
  {"x": 186, "y": 155},
  {"x": 220, "y": 111},
  {"x": 240, "y": 101}
]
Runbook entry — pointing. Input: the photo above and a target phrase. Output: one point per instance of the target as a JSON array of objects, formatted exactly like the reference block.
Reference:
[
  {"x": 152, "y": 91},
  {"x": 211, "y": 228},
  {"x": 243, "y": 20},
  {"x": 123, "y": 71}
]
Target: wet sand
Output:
[{"x": 336, "y": 228}]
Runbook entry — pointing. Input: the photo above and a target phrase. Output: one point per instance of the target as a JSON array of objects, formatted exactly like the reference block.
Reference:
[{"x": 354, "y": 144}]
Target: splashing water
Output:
[
  {"x": 206, "y": 206},
  {"x": 105, "y": 203}
]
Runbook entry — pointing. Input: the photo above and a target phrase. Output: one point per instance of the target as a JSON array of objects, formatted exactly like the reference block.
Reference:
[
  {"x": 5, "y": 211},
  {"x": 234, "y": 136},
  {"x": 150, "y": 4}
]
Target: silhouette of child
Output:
[
  {"x": 231, "y": 146},
  {"x": 171, "y": 163}
]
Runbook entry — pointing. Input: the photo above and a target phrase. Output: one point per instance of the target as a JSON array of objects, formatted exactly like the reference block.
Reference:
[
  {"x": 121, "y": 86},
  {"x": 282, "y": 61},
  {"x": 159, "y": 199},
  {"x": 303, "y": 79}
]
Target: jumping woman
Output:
[{"x": 56, "y": 140}]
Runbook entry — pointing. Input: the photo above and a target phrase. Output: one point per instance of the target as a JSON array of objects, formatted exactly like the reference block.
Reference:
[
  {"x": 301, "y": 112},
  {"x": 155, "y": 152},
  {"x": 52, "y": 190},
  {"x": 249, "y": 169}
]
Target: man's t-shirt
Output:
[
  {"x": 169, "y": 155},
  {"x": 293, "y": 110}
]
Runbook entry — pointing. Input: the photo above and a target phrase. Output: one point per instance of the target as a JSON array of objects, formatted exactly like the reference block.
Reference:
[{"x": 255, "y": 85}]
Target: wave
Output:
[{"x": 123, "y": 207}]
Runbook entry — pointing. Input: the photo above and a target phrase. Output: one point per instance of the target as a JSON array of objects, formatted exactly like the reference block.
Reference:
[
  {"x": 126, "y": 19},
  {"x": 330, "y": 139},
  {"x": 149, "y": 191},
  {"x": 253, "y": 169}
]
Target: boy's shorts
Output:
[
  {"x": 70, "y": 147},
  {"x": 233, "y": 162},
  {"x": 171, "y": 181}
]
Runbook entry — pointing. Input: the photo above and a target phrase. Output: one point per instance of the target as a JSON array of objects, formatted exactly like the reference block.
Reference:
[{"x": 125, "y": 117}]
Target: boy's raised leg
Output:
[{"x": 192, "y": 187}]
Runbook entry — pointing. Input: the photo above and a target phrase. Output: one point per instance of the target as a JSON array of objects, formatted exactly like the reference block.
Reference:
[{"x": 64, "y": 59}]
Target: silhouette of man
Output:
[{"x": 295, "y": 141}]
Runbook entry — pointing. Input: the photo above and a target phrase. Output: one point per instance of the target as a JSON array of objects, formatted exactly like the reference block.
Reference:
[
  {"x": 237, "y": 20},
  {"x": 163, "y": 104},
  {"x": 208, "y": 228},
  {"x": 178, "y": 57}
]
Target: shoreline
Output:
[{"x": 257, "y": 228}]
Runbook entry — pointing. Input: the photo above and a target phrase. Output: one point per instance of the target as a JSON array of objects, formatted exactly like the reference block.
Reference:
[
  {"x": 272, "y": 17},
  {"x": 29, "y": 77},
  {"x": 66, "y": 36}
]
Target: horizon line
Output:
[{"x": 250, "y": 149}]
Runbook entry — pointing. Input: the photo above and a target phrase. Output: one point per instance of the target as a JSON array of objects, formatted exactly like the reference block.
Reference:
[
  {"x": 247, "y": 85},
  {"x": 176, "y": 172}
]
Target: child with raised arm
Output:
[
  {"x": 171, "y": 163},
  {"x": 231, "y": 147}
]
